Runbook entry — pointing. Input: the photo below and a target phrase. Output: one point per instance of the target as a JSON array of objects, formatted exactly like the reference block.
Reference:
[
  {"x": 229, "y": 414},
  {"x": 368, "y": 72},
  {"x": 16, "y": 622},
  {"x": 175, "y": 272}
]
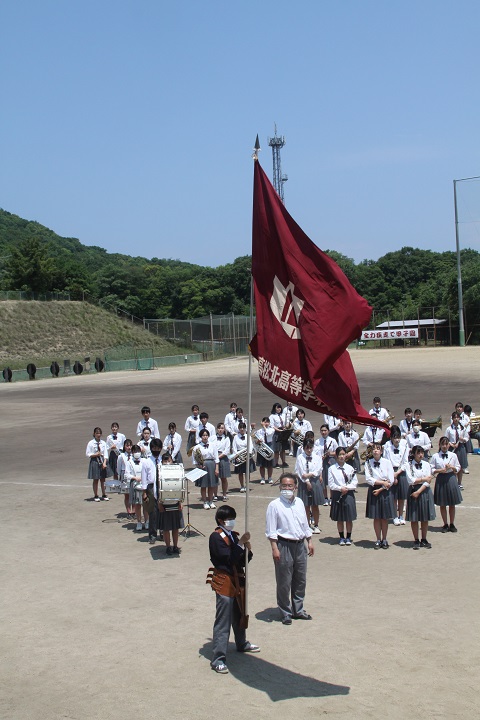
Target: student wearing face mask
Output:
[
  {"x": 228, "y": 553},
  {"x": 287, "y": 529},
  {"x": 133, "y": 475}
]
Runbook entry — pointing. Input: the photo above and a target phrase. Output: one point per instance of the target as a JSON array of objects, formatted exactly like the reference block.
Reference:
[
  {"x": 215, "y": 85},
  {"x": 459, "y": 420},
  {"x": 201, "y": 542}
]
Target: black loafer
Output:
[
  {"x": 445, "y": 529},
  {"x": 453, "y": 528},
  {"x": 303, "y": 616},
  {"x": 287, "y": 621}
]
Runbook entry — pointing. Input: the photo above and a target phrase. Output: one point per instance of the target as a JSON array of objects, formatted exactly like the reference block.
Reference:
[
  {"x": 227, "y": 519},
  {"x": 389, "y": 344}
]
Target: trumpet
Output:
[
  {"x": 390, "y": 416},
  {"x": 262, "y": 448}
]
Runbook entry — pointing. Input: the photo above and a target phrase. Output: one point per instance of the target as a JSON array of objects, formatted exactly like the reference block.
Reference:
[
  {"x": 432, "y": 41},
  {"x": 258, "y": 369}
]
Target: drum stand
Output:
[{"x": 187, "y": 530}]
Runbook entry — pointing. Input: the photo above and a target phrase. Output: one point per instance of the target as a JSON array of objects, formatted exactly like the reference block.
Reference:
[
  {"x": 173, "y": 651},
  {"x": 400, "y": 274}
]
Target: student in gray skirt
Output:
[
  {"x": 420, "y": 507},
  {"x": 380, "y": 508},
  {"x": 308, "y": 469},
  {"x": 445, "y": 467},
  {"x": 342, "y": 481}
]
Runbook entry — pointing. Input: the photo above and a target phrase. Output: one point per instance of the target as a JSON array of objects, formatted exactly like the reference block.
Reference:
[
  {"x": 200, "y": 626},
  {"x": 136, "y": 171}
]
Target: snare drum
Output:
[{"x": 172, "y": 486}]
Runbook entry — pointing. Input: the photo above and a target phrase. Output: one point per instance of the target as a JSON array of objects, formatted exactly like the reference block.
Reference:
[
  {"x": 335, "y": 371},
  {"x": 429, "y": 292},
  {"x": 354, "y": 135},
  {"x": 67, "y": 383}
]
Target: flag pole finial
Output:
[{"x": 256, "y": 149}]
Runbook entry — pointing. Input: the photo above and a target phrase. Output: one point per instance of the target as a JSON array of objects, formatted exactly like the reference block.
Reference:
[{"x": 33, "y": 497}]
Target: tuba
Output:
[
  {"x": 430, "y": 426},
  {"x": 474, "y": 422},
  {"x": 262, "y": 448},
  {"x": 240, "y": 457}
]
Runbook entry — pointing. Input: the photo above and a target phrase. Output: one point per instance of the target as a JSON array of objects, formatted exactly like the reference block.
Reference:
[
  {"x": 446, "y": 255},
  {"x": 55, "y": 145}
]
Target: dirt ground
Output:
[{"x": 98, "y": 624}]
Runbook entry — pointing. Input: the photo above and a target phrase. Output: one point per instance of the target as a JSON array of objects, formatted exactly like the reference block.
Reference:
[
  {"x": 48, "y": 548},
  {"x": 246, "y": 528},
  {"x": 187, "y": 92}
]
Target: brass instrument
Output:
[
  {"x": 262, "y": 448},
  {"x": 297, "y": 437},
  {"x": 240, "y": 456},
  {"x": 367, "y": 454},
  {"x": 198, "y": 457},
  {"x": 390, "y": 416},
  {"x": 474, "y": 422},
  {"x": 284, "y": 434},
  {"x": 430, "y": 426},
  {"x": 352, "y": 447}
]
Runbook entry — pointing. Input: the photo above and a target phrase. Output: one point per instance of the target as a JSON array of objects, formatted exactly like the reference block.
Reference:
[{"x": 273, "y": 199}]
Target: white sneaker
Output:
[
  {"x": 225, "y": 498},
  {"x": 290, "y": 454},
  {"x": 315, "y": 530},
  {"x": 242, "y": 489},
  {"x": 402, "y": 520},
  {"x": 270, "y": 482},
  {"x": 396, "y": 521},
  {"x": 212, "y": 506},
  {"x": 96, "y": 499},
  {"x": 214, "y": 498},
  {"x": 466, "y": 472},
  {"x": 206, "y": 506},
  {"x": 262, "y": 482},
  {"x": 147, "y": 525},
  {"x": 139, "y": 526}
]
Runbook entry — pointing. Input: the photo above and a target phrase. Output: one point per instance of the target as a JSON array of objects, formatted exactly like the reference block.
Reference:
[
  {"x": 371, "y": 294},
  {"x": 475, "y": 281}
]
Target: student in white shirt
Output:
[
  {"x": 326, "y": 447},
  {"x": 239, "y": 444},
  {"x": 420, "y": 507},
  {"x": 458, "y": 437},
  {"x": 418, "y": 438},
  {"x": 379, "y": 412},
  {"x": 144, "y": 443},
  {"x": 265, "y": 435},
  {"x": 334, "y": 424},
  {"x": 379, "y": 476},
  {"x": 223, "y": 449},
  {"x": 133, "y": 475},
  {"x": 300, "y": 427},
  {"x": 349, "y": 438},
  {"x": 342, "y": 482},
  {"x": 445, "y": 467},
  {"x": 173, "y": 443},
  {"x": 308, "y": 469},
  {"x": 115, "y": 442},
  {"x": 406, "y": 425},
  {"x": 396, "y": 450},
  {"x": 98, "y": 466},
  {"x": 205, "y": 425},
  {"x": 125, "y": 455},
  {"x": 208, "y": 484},
  {"x": 191, "y": 426},
  {"x": 147, "y": 422}
]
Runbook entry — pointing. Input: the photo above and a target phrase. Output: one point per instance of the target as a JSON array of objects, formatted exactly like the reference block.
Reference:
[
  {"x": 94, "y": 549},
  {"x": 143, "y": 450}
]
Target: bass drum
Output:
[
  {"x": 172, "y": 486},
  {"x": 113, "y": 486}
]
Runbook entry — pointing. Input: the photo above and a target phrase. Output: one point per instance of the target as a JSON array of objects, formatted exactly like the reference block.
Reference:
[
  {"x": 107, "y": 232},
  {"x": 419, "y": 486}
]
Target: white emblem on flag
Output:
[{"x": 286, "y": 307}]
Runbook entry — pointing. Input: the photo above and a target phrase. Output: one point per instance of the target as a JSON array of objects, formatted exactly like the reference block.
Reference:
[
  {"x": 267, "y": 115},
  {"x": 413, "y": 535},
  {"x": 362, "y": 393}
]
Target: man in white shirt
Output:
[{"x": 287, "y": 529}]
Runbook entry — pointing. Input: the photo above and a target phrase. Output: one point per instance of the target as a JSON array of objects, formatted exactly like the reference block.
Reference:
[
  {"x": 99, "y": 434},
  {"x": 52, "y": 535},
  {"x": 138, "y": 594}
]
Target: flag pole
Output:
[{"x": 249, "y": 413}]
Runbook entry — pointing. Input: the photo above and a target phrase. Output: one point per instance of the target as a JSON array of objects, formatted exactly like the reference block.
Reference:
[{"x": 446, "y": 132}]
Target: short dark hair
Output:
[
  {"x": 225, "y": 512},
  {"x": 289, "y": 476},
  {"x": 166, "y": 457},
  {"x": 203, "y": 415},
  {"x": 376, "y": 399},
  {"x": 156, "y": 444},
  {"x": 145, "y": 409}
]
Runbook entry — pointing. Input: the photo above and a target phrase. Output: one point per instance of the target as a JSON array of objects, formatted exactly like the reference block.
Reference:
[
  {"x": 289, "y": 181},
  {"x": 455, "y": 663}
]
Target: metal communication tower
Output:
[{"x": 276, "y": 143}]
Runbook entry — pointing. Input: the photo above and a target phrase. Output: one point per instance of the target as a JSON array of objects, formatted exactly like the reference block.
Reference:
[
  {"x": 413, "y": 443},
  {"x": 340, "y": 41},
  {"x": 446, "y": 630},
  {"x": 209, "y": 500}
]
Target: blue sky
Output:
[{"x": 130, "y": 124}]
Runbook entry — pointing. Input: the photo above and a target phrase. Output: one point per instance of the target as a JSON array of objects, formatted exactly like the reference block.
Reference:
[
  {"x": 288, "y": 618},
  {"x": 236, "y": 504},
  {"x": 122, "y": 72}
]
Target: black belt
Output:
[{"x": 290, "y": 541}]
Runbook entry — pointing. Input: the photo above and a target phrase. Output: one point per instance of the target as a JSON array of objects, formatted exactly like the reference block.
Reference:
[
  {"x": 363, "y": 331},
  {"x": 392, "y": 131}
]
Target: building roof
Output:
[{"x": 410, "y": 323}]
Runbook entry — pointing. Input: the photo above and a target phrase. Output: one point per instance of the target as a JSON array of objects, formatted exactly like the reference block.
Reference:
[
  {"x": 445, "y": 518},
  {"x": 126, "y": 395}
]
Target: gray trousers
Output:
[
  {"x": 227, "y": 615},
  {"x": 291, "y": 577}
]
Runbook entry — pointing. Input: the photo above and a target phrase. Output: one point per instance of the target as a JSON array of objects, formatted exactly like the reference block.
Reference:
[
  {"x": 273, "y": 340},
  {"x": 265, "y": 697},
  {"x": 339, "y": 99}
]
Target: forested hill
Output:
[{"x": 36, "y": 259}]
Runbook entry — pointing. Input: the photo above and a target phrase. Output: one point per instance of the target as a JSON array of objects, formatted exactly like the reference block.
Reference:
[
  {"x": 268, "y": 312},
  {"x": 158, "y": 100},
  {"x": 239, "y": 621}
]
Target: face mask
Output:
[
  {"x": 156, "y": 453},
  {"x": 287, "y": 494},
  {"x": 229, "y": 524},
  {"x": 137, "y": 456}
]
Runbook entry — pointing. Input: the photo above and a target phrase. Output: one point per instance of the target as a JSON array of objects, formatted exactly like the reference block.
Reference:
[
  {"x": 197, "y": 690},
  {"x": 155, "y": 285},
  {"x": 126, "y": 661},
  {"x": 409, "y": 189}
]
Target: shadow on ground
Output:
[{"x": 277, "y": 682}]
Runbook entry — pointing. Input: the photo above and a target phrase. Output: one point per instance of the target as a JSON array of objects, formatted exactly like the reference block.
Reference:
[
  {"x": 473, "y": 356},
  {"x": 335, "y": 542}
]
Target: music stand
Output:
[{"x": 187, "y": 530}]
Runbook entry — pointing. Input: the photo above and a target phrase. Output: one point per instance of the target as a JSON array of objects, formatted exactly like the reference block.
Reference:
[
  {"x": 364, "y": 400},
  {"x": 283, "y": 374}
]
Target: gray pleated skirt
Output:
[
  {"x": 400, "y": 490},
  {"x": 224, "y": 467},
  {"x": 461, "y": 453},
  {"x": 315, "y": 496},
  {"x": 446, "y": 490},
  {"x": 343, "y": 508},
  {"x": 380, "y": 507},
  {"x": 422, "y": 508},
  {"x": 355, "y": 462},
  {"x": 326, "y": 464},
  {"x": 96, "y": 472},
  {"x": 210, "y": 479}
]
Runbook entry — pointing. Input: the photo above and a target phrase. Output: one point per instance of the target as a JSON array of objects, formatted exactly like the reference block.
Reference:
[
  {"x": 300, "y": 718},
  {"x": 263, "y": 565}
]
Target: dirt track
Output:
[{"x": 98, "y": 624}]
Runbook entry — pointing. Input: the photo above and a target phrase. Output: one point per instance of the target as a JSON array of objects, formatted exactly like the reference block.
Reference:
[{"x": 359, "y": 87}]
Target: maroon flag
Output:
[{"x": 307, "y": 314}]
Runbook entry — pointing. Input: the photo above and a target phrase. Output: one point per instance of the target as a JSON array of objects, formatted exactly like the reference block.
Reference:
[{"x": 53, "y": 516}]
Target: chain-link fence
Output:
[
  {"x": 28, "y": 295},
  {"x": 213, "y": 335},
  {"x": 434, "y": 327}
]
